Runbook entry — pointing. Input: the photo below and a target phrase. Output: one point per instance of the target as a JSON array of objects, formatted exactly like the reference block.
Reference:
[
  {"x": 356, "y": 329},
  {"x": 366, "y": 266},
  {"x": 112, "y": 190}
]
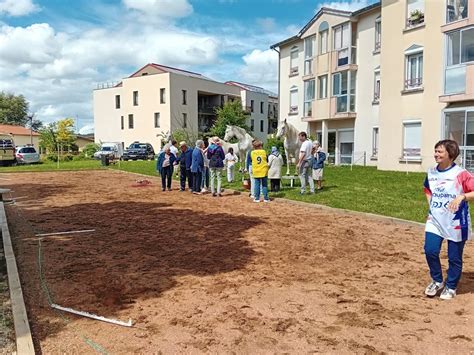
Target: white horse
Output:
[
  {"x": 245, "y": 141},
  {"x": 291, "y": 143},
  {"x": 166, "y": 137}
]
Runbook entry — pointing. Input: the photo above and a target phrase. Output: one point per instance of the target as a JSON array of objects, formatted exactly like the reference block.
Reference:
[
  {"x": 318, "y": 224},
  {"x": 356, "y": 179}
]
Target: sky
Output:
[{"x": 56, "y": 52}]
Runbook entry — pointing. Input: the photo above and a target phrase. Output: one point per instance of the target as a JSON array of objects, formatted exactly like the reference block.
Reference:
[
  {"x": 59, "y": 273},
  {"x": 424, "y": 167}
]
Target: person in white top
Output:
[
  {"x": 174, "y": 151},
  {"x": 230, "y": 161},
  {"x": 304, "y": 163}
]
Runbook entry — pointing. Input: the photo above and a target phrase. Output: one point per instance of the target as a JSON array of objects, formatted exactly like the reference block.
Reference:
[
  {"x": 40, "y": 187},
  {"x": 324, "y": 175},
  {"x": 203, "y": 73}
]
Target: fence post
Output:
[{"x": 365, "y": 158}]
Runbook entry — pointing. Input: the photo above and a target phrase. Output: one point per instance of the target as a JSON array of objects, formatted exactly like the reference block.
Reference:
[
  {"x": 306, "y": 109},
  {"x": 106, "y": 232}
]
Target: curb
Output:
[
  {"x": 393, "y": 220},
  {"x": 24, "y": 341}
]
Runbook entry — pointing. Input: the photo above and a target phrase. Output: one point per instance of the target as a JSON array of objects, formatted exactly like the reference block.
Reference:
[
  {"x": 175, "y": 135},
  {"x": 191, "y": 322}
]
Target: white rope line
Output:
[
  {"x": 68, "y": 232},
  {"x": 93, "y": 316}
]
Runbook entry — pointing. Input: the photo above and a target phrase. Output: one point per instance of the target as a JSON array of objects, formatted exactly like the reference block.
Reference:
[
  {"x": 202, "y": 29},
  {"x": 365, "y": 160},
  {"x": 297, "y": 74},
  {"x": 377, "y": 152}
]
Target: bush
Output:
[
  {"x": 90, "y": 149},
  {"x": 52, "y": 157}
]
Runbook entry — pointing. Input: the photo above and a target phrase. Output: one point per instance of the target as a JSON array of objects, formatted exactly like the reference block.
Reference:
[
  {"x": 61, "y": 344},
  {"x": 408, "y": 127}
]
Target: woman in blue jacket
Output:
[
  {"x": 197, "y": 166},
  {"x": 164, "y": 165},
  {"x": 318, "y": 164}
]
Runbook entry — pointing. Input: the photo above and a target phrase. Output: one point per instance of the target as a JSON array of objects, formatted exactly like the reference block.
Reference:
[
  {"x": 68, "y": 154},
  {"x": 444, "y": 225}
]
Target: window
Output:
[
  {"x": 378, "y": 34},
  {"x": 293, "y": 100},
  {"x": 415, "y": 12},
  {"x": 261, "y": 126},
  {"x": 294, "y": 61},
  {"x": 377, "y": 85},
  {"x": 184, "y": 97},
  {"x": 308, "y": 54},
  {"x": 252, "y": 105},
  {"x": 341, "y": 44},
  {"x": 456, "y": 10},
  {"x": 343, "y": 87},
  {"x": 261, "y": 106},
  {"x": 130, "y": 121},
  {"x": 252, "y": 125},
  {"x": 412, "y": 140},
  {"x": 157, "y": 120},
  {"x": 185, "y": 120},
  {"x": 117, "y": 101},
  {"x": 460, "y": 50},
  {"x": 162, "y": 96},
  {"x": 323, "y": 37},
  {"x": 309, "y": 95},
  {"x": 323, "y": 87},
  {"x": 375, "y": 141},
  {"x": 122, "y": 124},
  {"x": 135, "y": 98},
  {"x": 414, "y": 71}
]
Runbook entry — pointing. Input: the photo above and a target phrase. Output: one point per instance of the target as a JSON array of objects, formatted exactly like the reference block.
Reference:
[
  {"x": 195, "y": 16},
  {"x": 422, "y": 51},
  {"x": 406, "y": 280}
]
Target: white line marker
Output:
[
  {"x": 2, "y": 178},
  {"x": 93, "y": 316},
  {"x": 68, "y": 232}
]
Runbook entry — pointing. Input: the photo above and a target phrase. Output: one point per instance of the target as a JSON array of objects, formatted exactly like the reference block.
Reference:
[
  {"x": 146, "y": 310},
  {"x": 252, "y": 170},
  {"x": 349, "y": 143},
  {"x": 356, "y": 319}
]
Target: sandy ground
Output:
[{"x": 224, "y": 275}]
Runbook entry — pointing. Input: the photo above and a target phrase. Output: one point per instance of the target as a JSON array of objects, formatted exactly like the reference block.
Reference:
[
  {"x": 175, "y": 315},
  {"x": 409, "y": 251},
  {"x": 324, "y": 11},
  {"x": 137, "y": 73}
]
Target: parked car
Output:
[
  {"x": 138, "y": 150},
  {"x": 27, "y": 155},
  {"x": 113, "y": 149},
  {"x": 7, "y": 149}
]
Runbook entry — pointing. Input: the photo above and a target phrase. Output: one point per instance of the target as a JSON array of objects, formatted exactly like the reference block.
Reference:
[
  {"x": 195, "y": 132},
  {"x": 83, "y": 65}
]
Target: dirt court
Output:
[{"x": 198, "y": 274}]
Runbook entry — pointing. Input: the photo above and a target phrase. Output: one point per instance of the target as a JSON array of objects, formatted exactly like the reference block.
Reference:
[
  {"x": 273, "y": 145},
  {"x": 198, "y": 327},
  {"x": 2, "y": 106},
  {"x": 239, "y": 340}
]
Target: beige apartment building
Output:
[
  {"x": 319, "y": 89},
  {"x": 158, "y": 99},
  {"x": 383, "y": 84}
]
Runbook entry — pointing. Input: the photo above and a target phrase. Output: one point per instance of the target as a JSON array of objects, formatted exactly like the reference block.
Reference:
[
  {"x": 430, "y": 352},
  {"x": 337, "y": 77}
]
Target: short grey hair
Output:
[
  {"x": 316, "y": 143},
  {"x": 199, "y": 143}
]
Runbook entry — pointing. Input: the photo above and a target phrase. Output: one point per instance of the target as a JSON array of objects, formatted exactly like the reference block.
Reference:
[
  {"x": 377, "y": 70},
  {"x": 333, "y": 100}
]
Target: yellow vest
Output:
[{"x": 259, "y": 163}]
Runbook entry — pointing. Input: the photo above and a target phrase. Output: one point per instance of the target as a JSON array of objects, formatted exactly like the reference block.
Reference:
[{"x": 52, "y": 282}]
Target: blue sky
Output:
[{"x": 59, "y": 50}]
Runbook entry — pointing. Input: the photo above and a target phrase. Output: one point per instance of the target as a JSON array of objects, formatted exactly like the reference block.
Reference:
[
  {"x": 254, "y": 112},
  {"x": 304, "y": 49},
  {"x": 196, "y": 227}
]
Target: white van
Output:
[{"x": 113, "y": 149}]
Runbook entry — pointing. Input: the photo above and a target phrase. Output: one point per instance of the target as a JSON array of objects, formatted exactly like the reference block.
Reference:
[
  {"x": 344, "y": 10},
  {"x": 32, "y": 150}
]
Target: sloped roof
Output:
[
  {"x": 325, "y": 10},
  {"x": 173, "y": 70},
  {"x": 252, "y": 88},
  {"x": 16, "y": 130}
]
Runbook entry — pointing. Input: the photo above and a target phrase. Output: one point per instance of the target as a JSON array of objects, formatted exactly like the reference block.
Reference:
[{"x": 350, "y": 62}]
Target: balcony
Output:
[
  {"x": 344, "y": 58},
  {"x": 293, "y": 110},
  {"x": 415, "y": 19},
  {"x": 459, "y": 84},
  {"x": 456, "y": 10},
  {"x": 207, "y": 110},
  {"x": 294, "y": 71}
]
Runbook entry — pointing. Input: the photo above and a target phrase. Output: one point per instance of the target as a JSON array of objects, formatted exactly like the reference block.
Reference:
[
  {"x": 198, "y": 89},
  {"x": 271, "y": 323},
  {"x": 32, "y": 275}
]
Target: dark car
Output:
[{"x": 138, "y": 150}]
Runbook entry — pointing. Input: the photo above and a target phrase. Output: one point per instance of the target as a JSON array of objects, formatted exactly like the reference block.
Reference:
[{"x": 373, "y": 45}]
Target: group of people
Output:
[
  {"x": 201, "y": 167},
  {"x": 261, "y": 168}
]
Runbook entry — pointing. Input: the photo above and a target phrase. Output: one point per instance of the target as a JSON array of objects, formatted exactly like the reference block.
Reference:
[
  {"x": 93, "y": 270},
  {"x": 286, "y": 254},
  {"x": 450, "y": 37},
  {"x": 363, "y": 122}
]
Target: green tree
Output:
[
  {"x": 231, "y": 113},
  {"x": 58, "y": 135},
  {"x": 90, "y": 148},
  {"x": 13, "y": 109}
]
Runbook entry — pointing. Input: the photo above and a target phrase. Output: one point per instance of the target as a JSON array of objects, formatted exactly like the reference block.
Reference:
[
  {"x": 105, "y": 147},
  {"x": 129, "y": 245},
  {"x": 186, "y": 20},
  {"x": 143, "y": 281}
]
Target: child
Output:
[
  {"x": 260, "y": 171},
  {"x": 230, "y": 159},
  {"x": 318, "y": 164},
  {"x": 164, "y": 166}
]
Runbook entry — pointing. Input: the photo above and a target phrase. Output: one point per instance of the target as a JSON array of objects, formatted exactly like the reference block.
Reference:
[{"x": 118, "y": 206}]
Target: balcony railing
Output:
[
  {"x": 343, "y": 56},
  {"x": 294, "y": 109},
  {"x": 413, "y": 83},
  {"x": 294, "y": 71},
  {"x": 455, "y": 80},
  {"x": 456, "y": 10}
]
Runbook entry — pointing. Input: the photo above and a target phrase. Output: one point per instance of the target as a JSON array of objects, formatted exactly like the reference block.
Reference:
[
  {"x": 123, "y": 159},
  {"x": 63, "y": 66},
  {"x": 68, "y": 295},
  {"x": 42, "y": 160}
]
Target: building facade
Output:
[
  {"x": 380, "y": 86},
  {"x": 22, "y": 136},
  {"x": 158, "y": 99}
]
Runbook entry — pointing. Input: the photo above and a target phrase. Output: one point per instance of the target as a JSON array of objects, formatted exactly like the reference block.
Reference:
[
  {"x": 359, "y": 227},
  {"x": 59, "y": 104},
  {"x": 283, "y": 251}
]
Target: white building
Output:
[{"x": 157, "y": 99}]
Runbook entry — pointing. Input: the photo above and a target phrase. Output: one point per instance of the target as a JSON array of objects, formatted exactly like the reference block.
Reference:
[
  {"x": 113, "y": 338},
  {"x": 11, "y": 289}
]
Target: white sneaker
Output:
[
  {"x": 433, "y": 288},
  {"x": 203, "y": 191},
  {"x": 266, "y": 201},
  {"x": 447, "y": 294},
  {"x": 256, "y": 201}
]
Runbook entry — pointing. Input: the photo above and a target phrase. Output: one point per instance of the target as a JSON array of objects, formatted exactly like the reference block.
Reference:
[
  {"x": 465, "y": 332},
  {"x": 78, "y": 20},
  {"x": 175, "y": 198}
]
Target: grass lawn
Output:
[{"x": 364, "y": 189}]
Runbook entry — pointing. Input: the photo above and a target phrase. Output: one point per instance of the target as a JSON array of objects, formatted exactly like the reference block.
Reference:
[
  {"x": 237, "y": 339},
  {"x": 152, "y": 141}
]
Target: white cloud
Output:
[
  {"x": 165, "y": 8},
  {"x": 17, "y": 7},
  {"x": 87, "y": 129},
  {"x": 267, "y": 24},
  {"x": 347, "y": 5},
  {"x": 261, "y": 69}
]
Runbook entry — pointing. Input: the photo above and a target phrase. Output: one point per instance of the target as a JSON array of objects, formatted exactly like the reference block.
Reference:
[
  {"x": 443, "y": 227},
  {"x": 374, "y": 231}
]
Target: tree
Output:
[
  {"x": 13, "y": 109},
  {"x": 231, "y": 113},
  {"x": 58, "y": 135},
  {"x": 34, "y": 123}
]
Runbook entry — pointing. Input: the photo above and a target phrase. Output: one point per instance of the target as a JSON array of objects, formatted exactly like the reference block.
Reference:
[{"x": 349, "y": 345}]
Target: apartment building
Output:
[
  {"x": 319, "y": 70},
  {"x": 260, "y": 105},
  {"x": 159, "y": 98},
  {"x": 383, "y": 84}
]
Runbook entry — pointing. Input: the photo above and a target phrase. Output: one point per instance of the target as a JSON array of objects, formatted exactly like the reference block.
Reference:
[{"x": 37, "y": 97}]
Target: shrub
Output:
[{"x": 90, "y": 149}]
